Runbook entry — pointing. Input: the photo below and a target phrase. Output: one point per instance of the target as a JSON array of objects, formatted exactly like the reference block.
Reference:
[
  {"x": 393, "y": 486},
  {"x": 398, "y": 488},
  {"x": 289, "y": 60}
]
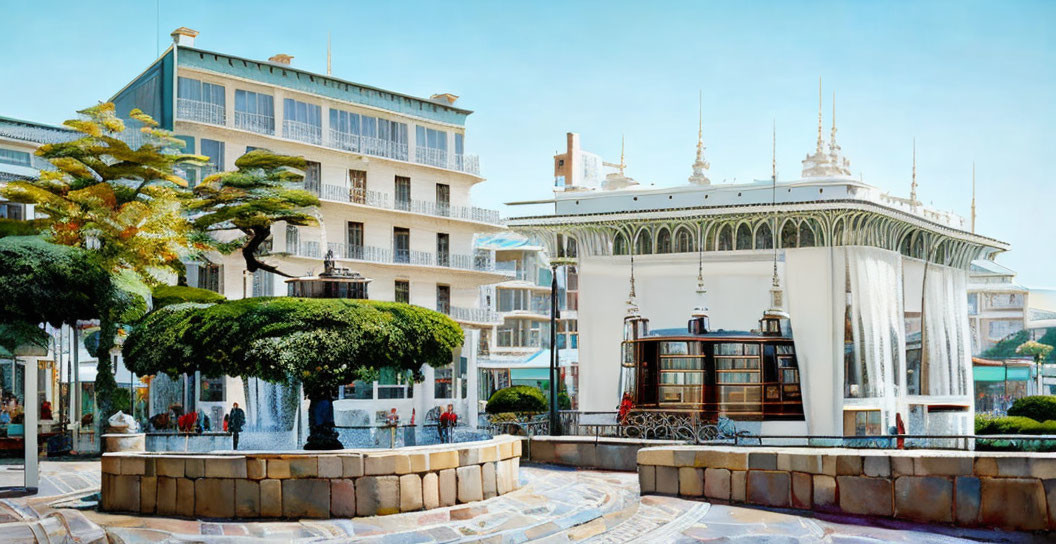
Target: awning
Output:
[
  {"x": 989, "y": 373},
  {"x": 1018, "y": 373},
  {"x": 529, "y": 374}
]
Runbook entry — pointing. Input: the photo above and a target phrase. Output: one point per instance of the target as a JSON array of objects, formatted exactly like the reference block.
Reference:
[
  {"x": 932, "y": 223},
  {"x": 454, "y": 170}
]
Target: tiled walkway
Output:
[{"x": 554, "y": 505}]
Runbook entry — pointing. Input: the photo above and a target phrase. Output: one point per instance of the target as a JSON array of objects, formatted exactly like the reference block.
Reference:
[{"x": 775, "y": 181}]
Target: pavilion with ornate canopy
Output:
[{"x": 874, "y": 286}]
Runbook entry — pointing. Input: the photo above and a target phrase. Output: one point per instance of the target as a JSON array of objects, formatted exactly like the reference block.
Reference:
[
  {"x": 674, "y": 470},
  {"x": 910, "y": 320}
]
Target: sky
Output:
[{"x": 970, "y": 81}]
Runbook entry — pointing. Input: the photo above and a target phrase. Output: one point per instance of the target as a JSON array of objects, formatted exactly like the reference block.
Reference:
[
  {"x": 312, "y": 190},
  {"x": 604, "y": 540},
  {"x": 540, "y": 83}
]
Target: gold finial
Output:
[
  {"x": 622, "y": 163},
  {"x": 329, "y": 67},
  {"x": 700, "y": 165},
  {"x": 973, "y": 197},
  {"x": 773, "y": 196},
  {"x": 913, "y": 186},
  {"x": 700, "y": 118},
  {"x": 833, "y": 119}
]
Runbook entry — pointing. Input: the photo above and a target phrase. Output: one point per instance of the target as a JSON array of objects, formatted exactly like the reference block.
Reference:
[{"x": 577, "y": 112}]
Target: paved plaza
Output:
[{"x": 554, "y": 505}]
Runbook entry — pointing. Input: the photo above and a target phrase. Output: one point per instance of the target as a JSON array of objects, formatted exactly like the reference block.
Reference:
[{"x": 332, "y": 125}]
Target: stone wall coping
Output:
[
  {"x": 862, "y": 452},
  {"x": 604, "y": 440},
  {"x": 296, "y": 454}
]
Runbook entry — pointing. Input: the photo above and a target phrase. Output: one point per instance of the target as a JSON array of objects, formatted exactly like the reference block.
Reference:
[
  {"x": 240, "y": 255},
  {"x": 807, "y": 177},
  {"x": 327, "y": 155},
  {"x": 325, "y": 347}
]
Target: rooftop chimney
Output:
[
  {"x": 280, "y": 59},
  {"x": 444, "y": 97},
  {"x": 184, "y": 36}
]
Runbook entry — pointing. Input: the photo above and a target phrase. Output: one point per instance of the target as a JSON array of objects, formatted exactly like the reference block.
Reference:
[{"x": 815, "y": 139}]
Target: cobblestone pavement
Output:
[{"x": 555, "y": 505}]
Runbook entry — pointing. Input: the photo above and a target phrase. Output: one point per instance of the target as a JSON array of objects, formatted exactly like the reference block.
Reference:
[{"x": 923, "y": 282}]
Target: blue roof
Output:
[
  {"x": 504, "y": 240},
  {"x": 682, "y": 331}
]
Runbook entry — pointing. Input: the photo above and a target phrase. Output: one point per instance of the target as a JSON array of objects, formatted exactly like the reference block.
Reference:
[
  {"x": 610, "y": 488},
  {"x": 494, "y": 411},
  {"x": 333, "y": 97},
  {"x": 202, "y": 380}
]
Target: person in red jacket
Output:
[
  {"x": 448, "y": 420},
  {"x": 625, "y": 408}
]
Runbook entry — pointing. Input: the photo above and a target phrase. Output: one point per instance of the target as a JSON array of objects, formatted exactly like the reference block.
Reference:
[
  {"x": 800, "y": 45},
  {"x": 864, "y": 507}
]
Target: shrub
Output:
[
  {"x": 519, "y": 398},
  {"x": 1038, "y": 408},
  {"x": 165, "y": 295},
  {"x": 1013, "y": 425}
]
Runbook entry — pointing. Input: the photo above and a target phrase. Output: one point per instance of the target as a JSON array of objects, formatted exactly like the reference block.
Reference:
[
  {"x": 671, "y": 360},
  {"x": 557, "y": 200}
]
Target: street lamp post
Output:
[{"x": 555, "y": 422}]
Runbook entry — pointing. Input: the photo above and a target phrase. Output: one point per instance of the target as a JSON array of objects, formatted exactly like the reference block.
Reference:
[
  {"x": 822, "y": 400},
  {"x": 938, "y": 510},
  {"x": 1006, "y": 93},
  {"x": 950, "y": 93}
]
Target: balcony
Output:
[
  {"x": 202, "y": 112},
  {"x": 474, "y": 315},
  {"x": 430, "y": 156},
  {"x": 305, "y": 248},
  {"x": 381, "y": 255},
  {"x": 302, "y": 132},
  {"x": 255, "y": 122},
  {"x": 340, "y": 193},
  {"x": 367, "y": 145}
]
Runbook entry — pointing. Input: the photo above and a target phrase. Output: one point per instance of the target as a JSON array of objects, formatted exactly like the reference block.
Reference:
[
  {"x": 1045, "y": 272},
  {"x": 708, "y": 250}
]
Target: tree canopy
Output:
[
  {"x": 1007, "y": 347},
  {"x": 104, "y": 195},
  {"x": 321, "y": 342},
  {"x": 262, "y": 191}
]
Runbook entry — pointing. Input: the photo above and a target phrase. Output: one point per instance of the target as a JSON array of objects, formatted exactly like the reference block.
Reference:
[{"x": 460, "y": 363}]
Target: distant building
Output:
[
  {"x": 517, "y": 351},
  {"x": 996, "y": 304}
]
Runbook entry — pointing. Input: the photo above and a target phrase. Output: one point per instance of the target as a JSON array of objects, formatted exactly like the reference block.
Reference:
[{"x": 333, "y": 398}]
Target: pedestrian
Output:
[
  {"x": 625, "y": 408},
  {"x": 448, "y": 420},
  {"x": 235, "y": 420}
]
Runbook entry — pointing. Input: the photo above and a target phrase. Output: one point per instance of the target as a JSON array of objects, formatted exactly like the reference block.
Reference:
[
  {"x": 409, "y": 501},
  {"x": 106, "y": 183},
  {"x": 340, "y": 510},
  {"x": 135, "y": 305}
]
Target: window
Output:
[
  {"x": 737, "y": 375},
  {"x": 12, "y": 210},
  {"x": 443, "y": 199},
  {"x": 523, "y": 333},
  {"x": 443, "y": 299},
  {"x": 263, "y": 284},
  {"x": 644, "y": 245},
  {"x": 403, "y": 193},
  {"x": 212, "y": 390},
  {"x": 403, "y": 291},
  {"x": 370, "y": 135},
  {"x": 682, "y": 373},
  {"x": 254, "y": 112},
  {"x": 1001, "y": 329},
  {"x": 725, "y": 242},
  {"x": 443, "y": 386},
  {"x": 512, "y": 300},
  {"x": 683, "y": 241},
  {"x": 205, "y": 276},
  {"x": 302, "y": 121},
  {"x": 17, "y": 158},
  {"x": 619, "y": 244},
  {"x": 806, "y": 235},
  {"x": 763, "y": 237},
  {"x": 973, "y": 303},
  {"x": 744, "y": 236},
  {"x": 401, "y": 245},
  {"x": 788, "y": 234},
  {"x": 861, "y": 423},
  {"x": 313, "y": 177},
  {"x": 200, "y": 101},
  {"x": 357, "y": 186},
  {"x": 394, "y": 384},
  {"x": 443, "y": 249},
  {"x": 663, "y": 241},
  {"x": 354, "y": 240},
  {"x": 215, "y": 151},
  {"x": 430, "y": 146}
]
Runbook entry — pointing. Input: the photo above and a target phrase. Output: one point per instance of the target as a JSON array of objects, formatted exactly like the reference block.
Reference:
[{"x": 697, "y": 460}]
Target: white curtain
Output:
[
  {"x": 877, "y": 319},
  {"x": 947, "y": 342}
]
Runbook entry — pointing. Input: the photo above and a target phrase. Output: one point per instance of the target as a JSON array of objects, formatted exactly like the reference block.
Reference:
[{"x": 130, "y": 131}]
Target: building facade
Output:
[
  {"x": 393, "y": 178},
  {"x": 517, "y": 350},
  {"x": 876, "y": 286}
]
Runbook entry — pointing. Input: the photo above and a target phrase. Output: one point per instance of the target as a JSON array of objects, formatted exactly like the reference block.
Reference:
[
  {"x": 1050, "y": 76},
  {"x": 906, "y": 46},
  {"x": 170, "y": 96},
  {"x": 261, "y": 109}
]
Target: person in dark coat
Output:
[{"x": 235, "y": 420}]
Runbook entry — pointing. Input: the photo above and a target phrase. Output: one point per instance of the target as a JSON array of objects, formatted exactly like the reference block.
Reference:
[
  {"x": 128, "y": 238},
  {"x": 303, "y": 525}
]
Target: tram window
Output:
[
  {"x": 737, "y": 377},
  {"x": 628, "y": 354},
  {"x": 788, "y": 370},
  {"x": 674, "y": 348},
  {"x": 785, "y": 350},
  {"x": 736, "y": 349},
  {"x": 681, "y": 363},
  {"x": 737, "y": 363}
]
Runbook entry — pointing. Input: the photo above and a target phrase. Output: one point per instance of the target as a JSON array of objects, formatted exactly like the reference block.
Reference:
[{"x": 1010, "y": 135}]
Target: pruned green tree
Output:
[
  {"x": 262, "y": 191},
  {"x": 1038, "y": 352},
  {"x": 322, "y": 343}
]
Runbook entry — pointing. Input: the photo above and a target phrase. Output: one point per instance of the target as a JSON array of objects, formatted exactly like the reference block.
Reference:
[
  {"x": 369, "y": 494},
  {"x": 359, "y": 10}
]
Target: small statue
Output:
[
  {"x": 122, "y": 423},
  {"x": 328, "y": 261}
]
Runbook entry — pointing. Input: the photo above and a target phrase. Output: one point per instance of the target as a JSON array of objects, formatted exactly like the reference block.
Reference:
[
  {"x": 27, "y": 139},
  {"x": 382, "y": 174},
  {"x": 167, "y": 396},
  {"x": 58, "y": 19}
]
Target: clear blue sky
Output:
[{"x": 971, "y": 81}]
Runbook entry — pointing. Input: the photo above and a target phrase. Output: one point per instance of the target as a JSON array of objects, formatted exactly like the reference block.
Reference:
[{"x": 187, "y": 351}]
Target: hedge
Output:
[
  {"x": 519, "y": 398},
  {"x": 1038, "y": 408},
  {"x": 1013, "y": 425},
  {"x": 165, "y": 295}
]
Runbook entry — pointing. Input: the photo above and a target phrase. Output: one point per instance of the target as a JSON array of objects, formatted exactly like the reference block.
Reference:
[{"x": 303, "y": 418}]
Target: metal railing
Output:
[
  {"x": 474, "y": 315},
  {"x": 302, "y": 132},
  {"x": 467, "y": 163},
  {"x": 367, "y": 145},
  {"x": 431, "y": 156},
  {"x": 399, "y": 256},
  {"x": 202, "y": 112},
  {"x": 255, "y": 122}
]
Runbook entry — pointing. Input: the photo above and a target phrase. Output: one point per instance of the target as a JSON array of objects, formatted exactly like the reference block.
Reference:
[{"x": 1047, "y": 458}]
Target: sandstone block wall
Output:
[
  {"x": 589, "y": 451},
  {"x": 327, "y": 484},
  {"x": 1015, "y": 491}
]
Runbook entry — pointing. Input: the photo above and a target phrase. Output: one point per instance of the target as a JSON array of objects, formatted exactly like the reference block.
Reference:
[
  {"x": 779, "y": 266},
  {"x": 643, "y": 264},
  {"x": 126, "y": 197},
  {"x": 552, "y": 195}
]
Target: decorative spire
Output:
[
  {"x": 699, "y": 176},
  {"x": 818, "y": 164},
  {"x": 701, "y": 310},
  {"x": 329, "y": 66},
  {"x": 622, "y": 163},
  {"x": 973, "y": 197},
  {"x": 840, "y": 165},
  {"x": 913, "y": 186},
  {"x": 777, "y": 297},
  {"x": 632, "y": 298}
]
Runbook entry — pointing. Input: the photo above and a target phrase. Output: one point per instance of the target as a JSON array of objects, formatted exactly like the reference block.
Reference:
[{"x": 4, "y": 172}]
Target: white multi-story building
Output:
[
  {"x": 864, "y": 273},
  {"x": 517, "y": 351},
  {"x": 394, "y": 179},
  {"x": 996, "y": 304}
]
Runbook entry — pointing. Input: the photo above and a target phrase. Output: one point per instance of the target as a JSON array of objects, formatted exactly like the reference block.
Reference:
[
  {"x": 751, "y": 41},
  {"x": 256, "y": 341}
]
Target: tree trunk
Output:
[
  {"x": 257, "y": 236},
  {"x": 321, "y": 432}
]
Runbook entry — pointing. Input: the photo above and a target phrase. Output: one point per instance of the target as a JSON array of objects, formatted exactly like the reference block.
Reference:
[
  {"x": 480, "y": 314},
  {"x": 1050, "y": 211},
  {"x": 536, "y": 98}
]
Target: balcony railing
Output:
[
  {"x": 474, "y": 315},
  {"x": 305, "y": 248},
  {"x": 302, "y": 132},
  {"x": 367, "y": 145},
  {"x": 467, "y": 163},
  {"x": 202, "y": 112},
  {"x": 381, "y": 255},
  {"x": 255, "y": 122},
  {"x": 431, "y": 156}
]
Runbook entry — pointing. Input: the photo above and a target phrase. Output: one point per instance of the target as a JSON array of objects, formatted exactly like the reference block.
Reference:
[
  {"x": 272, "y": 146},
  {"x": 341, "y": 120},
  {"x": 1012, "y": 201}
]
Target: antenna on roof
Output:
[
  {"x": 773, "y": 196},
  {"x": 329, "y": 66},
  {"x": 157, "y": 28}
]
